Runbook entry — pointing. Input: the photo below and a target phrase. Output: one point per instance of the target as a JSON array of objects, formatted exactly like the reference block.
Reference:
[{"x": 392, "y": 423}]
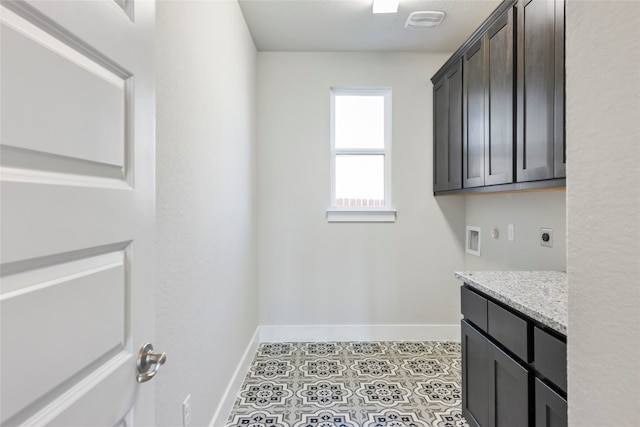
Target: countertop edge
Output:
[{"x": 528, "y": 311}]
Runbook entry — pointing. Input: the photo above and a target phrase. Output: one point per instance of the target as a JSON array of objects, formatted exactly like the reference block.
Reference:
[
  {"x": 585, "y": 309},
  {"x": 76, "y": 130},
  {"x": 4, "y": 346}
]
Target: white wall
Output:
[
  {"x": 529, "y": 212},
  {"x": 318, "y": 273},
  {"x": 603, "y": 210},
  {"x": 206, "y": 203}
]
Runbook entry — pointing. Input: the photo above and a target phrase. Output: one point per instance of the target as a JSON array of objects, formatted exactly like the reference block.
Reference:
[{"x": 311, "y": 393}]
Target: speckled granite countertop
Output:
[{"x": 541, "y": 295}]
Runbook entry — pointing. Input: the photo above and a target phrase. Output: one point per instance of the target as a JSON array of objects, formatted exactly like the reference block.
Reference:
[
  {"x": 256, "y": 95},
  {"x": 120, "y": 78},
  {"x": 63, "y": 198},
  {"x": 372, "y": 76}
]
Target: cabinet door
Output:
[
  {"x": 536, "y": 90},
  {"x": 447, "y": 113},
  {"x": 454, "y": 170},
  {"x": 508, "y": 390},
  {"x": 560, "y": 160},
  {"x": 440, "y": 134},
  {"x": 551, "y": 408},
  {"x": 474, "y": 117},
  {"x": 475, "y": 376},
  {"x": 498, "y": 154}
]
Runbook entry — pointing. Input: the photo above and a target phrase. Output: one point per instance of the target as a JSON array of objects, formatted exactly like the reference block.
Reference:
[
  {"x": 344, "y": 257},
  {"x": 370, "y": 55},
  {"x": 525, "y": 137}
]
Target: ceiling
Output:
[{"x": 349, "y": 25}]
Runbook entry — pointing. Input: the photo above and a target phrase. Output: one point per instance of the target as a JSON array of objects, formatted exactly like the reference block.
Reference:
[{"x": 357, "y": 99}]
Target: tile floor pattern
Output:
[{"x": 352, "y": 384}]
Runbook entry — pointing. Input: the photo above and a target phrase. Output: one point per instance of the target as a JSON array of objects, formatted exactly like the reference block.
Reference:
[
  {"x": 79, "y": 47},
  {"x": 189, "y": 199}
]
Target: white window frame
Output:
[{"x": 363, "y": 213}]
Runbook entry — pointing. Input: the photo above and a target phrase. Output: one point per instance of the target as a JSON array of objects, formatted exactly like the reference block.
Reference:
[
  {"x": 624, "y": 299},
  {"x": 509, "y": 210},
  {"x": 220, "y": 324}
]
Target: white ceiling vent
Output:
[{"x": 424, "y": 19}]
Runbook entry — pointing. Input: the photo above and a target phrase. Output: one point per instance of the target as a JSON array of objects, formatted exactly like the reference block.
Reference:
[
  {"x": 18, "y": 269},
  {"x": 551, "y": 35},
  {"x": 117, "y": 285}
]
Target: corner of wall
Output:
[{"x": 233, "y": 388}]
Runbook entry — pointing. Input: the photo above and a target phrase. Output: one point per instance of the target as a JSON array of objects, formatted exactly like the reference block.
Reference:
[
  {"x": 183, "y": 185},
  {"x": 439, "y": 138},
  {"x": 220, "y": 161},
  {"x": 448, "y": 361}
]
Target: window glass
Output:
[
  {"x": 359, "y": 121},
  {"x": 359, "y": 180}
]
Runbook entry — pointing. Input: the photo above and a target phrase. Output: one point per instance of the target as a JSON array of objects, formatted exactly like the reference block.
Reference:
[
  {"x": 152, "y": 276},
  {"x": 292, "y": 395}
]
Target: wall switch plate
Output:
[
  {"x": 546, "y": 237},
  {"x": 511, "y": 232},
  {"x": 186, "y": 411}
]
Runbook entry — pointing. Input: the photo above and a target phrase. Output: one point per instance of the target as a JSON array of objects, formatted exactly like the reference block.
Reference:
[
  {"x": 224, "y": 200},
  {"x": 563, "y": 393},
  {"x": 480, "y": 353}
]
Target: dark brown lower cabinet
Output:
[
  {"x": 508, "y": 390},
  {"x": 475, "y": 376},
  {"x": 513, "y": 369},
  {"x": 551, "y": 408},
  {"x": 495, "y": 387}
]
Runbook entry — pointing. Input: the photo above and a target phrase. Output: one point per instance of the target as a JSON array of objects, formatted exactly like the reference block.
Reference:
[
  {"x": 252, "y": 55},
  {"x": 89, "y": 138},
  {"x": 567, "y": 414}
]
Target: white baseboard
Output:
[
  {"x": 360, "y": 333},
  {"x": 233, "y": 389}
]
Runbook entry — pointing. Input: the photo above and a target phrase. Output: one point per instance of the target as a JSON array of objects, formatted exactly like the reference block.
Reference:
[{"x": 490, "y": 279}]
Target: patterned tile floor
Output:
[{"x": 352, "y": 384}]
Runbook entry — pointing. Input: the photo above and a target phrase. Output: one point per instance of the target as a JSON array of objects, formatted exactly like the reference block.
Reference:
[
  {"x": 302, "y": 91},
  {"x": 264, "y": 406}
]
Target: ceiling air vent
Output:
[{"x": 424, "y": 19}]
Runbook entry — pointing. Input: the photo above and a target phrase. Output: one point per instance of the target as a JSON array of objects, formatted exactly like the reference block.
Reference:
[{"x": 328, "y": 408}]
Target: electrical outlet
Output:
[
  {"x": 186, "y": 411},
  {"x": 546, "y": 237}
]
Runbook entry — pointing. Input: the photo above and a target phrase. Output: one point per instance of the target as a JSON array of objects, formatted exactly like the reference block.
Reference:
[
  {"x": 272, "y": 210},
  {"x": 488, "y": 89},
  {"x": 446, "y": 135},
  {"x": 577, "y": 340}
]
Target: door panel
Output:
[
  {"x": 508, "y": 390},
  {"x": 447, "y": 112},
  {"x": 77, "y": 184},
  {"x": 49, "y": 84},
  {"x": 440, "y": 135},
  {"x": 499, "y": 146},
  {"x": 454, "y": 171},
  {"x": 474, "y": 116},
  {"x": 551, "y": 408},
  {"x": 560, "y": 158},
  {"x": 46, "y": 310},
  {"x": 81, "y": 406},
  {"x": 475, "y": 376},
  {"x": 536, "y": 77}
]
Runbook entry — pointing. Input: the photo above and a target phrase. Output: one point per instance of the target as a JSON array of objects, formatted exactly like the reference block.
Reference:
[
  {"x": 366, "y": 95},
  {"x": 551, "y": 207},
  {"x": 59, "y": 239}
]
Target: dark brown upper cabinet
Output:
[
  {"x": 447, "y": 134},
  {"x": 499, "y": 51},
  {"x": 488, "y": 106},
  {"x": 473, "y": 116},
  {"x": 512, "y": 135},
  {"x": 540, "y": 118}
]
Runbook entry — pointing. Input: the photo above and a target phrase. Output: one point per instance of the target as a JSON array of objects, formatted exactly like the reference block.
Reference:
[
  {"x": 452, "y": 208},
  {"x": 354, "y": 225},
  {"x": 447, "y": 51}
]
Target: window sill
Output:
[{"x": 361, "y": 215}]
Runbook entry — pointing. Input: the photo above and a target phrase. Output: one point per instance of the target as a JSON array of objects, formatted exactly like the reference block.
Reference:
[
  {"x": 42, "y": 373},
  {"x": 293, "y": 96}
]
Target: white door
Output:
[{"x": 77, "y": 211}]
